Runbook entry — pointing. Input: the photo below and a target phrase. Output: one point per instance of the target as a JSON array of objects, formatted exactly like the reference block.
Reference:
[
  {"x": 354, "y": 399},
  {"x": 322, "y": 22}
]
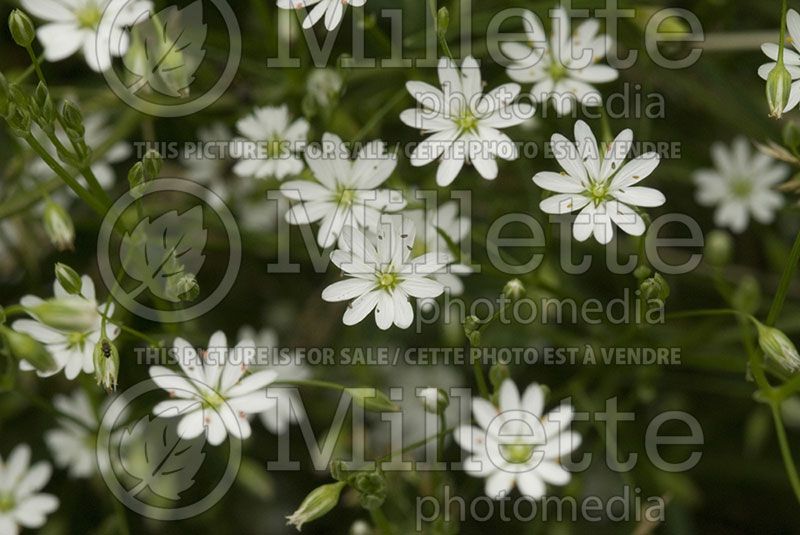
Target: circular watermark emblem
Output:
[
  {"x": 154, "y": 465},
  {"x": 151, "y": 250},
  {"x": 163, "y": 53}
]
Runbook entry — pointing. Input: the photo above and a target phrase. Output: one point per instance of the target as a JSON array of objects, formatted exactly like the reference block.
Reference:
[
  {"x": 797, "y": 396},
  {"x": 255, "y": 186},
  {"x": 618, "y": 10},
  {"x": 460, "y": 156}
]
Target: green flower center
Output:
[
  {"x": 741, "y": 188},
  {"x": 467, "y": 122},
  {"x": 76, "y": 339},
  {"x": 517, "y": 453},
  {"x": 274, "y": 147},
  {"x": 557, "y": 70},
  {"x": 212, "y": 400},
  {"x": 89, "y": 16},
  {"x": 598, "y": 191},
  {"x": 388, "y": 281},
  {"x": 6, "y": 502},
  {"x": 345, "y": 196}
]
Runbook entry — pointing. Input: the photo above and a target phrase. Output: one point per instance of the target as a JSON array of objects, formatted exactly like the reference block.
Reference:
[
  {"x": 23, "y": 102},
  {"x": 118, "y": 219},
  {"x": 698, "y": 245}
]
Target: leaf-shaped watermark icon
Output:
[
  {"x": 166, "y": 50},
  {"x": 159, "y": 252},
  {"x": 158, "y": 458}
]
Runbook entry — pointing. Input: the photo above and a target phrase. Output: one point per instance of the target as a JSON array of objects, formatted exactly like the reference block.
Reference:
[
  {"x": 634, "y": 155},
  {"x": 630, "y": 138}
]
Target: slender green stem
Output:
[
  {"x": 786, "y": 452},
  {"x": 312, "y": 382},
  {"x": 782, "y": 38},
  {"x": 86, "y": 170},
  {"x": 380, "y": 114},
  {"x": 786, "y": 279},
  {"x": 35, "y": 63},
  {"x": 417, "y": 444},
  {"x": 79, "y": 190},
  {"x": 440, "y": 443},
  {"x": 381, "y": 522},
  {"x": 440, "y": 34},
  {"x": 477, "y": 369}
]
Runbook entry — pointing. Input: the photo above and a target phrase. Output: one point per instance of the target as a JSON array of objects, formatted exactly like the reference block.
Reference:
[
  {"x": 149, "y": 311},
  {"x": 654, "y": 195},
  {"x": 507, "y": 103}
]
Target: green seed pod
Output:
[
  {"x": 317, "y": 504},
  {"x": 779, "y": 84},
  {"x": 777, "y": 346},
  {"x": 106, "y": 364}
]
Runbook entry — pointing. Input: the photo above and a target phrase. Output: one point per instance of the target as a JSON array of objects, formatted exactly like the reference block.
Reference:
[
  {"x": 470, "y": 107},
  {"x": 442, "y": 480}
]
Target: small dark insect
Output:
[{"x": 106, "y": 347}]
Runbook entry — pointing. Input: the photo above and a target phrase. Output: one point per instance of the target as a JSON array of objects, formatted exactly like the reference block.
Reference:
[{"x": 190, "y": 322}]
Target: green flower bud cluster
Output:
[
  {"x": 370, "y": 484},
  {"x": 145, "y": 170}
]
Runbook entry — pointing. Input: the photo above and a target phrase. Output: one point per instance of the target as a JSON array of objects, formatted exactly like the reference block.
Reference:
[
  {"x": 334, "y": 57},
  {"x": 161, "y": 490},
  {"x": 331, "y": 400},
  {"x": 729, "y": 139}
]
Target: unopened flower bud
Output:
[
  {"x": 106, "y": 364},
  {"x": 186, "y": 288},
  {"x": 719, "y": 247},
  {"x": 136, "y": 175},
  {"x": 68, "y": 278},
  {"x": 70, "y": 313},
  {"x": 371, "y": 487},
  {"x": 24, "y": 347},
  {"x": 151, "y": 164},
  {"x": 779, "y": 84},
  {"x": 21, "y": 27},
  {"x": 777, "y": 346},
  {"x": 442, "y": 20},
  {"x": 58, "y": 226},
  {"x": 73, "y": 118},
  {"x": 372, "y": 399},
  {"x": 435, "y": 400},
  {"x": 655, "y": 287},
  {"x": 514, "y": 289},
  {"x": 317, "y": 504},
  {"x": 472, "y": 330}
]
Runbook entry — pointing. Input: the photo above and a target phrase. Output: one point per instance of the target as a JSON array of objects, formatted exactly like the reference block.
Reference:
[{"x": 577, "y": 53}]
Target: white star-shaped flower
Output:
[
  {"x": 740, "y": 185},
  {"x": 21, "y": 503},
  {"x": 75, "y": 25},
  {"x": 516, "y": 445},
  {"x": 272, "y": 143},
  {"x": 288, "y": 408},
  {"x": 332, "y": 9},
  {"x": 213, "y": 393},
  {"x": 72, "y": 444},
  {"x": 434, "y": 223},
  {"x": 345, "y": 191},
  {"x": 564, "y": 68},
  {"x": 381, "y": 275},
  {"x": 464, "y": 122},
  {"x": 72, "y": 350},
  {"x": 603, "y": 187},
  {"x": 791, "y": 58}
]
